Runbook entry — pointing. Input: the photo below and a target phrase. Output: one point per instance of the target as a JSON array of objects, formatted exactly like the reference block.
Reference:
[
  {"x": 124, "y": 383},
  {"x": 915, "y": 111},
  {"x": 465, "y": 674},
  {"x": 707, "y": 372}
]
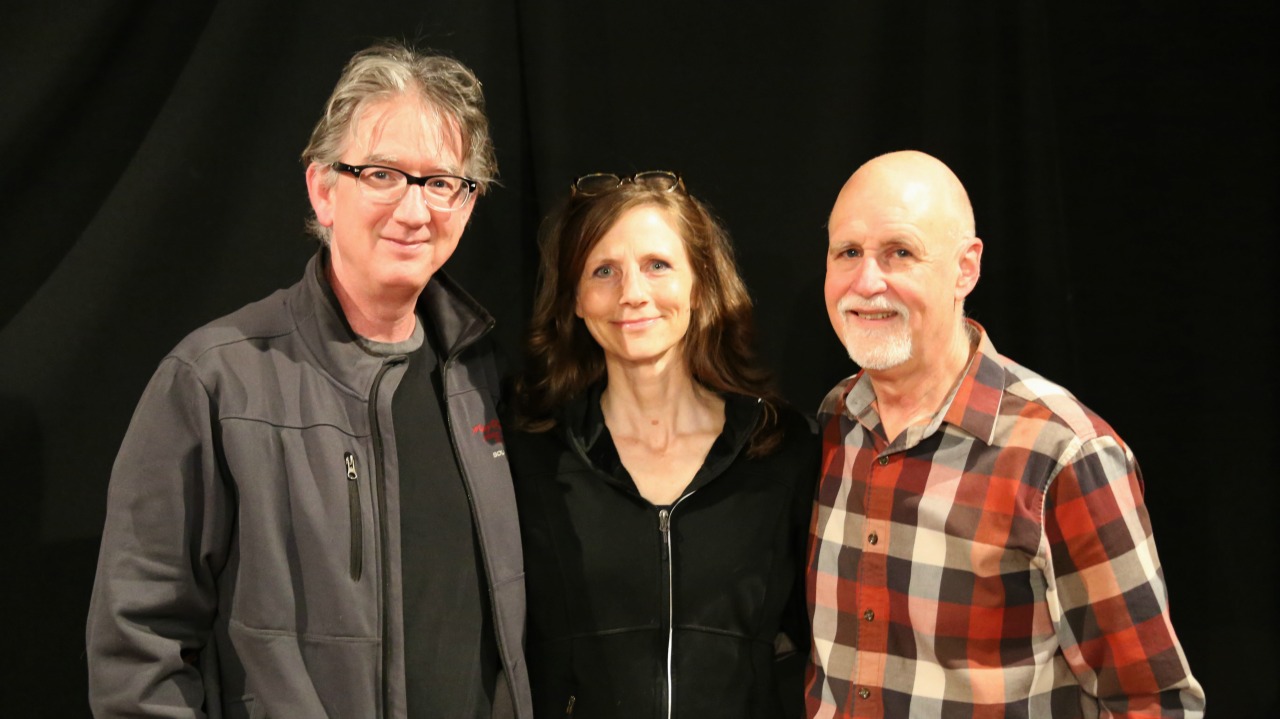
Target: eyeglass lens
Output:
[
  {"x": 387, "y": 185},
  {"x": 600, "y": 182}
]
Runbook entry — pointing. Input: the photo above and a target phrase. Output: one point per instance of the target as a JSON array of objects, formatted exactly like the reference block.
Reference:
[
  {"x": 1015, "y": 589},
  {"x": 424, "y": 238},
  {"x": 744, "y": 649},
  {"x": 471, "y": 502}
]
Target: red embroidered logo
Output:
[{"x": 491, "y": 430}]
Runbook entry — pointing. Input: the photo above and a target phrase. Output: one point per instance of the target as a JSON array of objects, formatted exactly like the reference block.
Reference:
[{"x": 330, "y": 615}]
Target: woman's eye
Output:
[
  {"x": 605, "y": 271},
  {"x": 659, "y": 265}
]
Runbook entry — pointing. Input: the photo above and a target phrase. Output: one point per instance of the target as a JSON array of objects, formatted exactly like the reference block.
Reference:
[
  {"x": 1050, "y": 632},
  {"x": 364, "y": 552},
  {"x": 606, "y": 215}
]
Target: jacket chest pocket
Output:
[
  {"x": 305, "y": 526},
  {"x": 355, "y": 510}
]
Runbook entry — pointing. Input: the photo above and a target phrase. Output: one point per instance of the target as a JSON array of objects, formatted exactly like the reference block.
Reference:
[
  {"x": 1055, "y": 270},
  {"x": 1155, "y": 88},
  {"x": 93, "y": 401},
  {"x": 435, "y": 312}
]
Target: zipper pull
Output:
[
  {"x": 568, "y": 711},
  {"x": 357, "y": 524},
  {"x": 664, "y": 526}
]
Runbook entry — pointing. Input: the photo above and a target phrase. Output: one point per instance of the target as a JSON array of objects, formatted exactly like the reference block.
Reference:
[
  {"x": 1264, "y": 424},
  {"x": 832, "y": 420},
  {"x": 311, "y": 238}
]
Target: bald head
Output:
[{"x": 915, "y": 184}]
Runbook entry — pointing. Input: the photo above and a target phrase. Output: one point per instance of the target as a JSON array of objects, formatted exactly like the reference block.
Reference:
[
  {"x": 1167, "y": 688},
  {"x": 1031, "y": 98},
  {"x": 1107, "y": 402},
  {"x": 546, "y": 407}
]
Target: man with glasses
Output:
[
  {"x": 311, "y": 514},
  {"x": 980, "y": 547}
]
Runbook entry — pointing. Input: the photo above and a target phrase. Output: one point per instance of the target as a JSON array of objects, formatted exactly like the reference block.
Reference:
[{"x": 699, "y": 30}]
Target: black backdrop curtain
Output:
[{"x": 1121, "y": 159}]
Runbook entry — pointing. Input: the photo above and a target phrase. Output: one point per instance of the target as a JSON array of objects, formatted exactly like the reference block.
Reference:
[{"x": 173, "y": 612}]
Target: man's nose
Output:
[
  {"x": 868, "y": 279},
  {"x": 413, "y": 209}
]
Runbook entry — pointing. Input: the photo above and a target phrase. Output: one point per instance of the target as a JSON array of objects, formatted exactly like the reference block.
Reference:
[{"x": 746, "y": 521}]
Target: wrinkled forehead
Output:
[
  {"x": 648, "y": 221},
  {"x": 866, "y": 202},
  {"x": 906, "y": 186},
  {"x": 405, "y": 127},
  {"x": 887, "y": 200}
]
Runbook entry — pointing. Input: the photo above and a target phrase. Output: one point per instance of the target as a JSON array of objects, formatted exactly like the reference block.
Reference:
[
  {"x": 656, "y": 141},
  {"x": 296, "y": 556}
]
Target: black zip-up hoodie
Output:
[{"x": 694, "y": 610}]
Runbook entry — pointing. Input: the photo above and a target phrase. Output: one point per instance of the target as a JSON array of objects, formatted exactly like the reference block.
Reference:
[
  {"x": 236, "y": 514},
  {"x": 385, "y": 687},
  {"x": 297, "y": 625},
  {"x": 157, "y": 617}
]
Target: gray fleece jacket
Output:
[{"x": 250, "y": 559}]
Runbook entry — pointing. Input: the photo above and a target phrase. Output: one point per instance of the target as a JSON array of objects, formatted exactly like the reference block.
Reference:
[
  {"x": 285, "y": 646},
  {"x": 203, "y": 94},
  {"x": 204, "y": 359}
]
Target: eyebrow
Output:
[
  {"x": 380, "y": 159},
  {"x": 912, "y": 242}
]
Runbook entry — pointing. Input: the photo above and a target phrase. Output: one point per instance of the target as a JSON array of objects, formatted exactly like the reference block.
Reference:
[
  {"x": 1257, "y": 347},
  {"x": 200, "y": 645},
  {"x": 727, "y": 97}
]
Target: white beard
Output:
[{"x": 877, "y": 349}]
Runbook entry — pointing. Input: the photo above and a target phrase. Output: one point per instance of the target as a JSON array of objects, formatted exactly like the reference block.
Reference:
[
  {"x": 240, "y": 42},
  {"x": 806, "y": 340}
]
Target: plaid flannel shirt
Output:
[{"x": 996, "y": 562}]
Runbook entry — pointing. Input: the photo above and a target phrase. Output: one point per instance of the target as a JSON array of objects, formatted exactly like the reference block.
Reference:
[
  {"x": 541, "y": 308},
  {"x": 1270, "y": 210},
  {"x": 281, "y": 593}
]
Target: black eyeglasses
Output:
[
  {"x": 598, "y": 183},
  {"x": 387, "y": 186}
]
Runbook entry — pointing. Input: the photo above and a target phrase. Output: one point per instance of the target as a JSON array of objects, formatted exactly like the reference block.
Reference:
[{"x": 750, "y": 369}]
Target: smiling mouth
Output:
[
  {"x": 631, "y": 324},
  {"x": 873, "y": 315}
]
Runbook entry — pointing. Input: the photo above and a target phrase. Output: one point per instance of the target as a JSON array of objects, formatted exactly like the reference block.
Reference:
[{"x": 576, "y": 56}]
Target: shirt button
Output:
[
  {"x": 873, "y": 538},
  {"x": 864, "y": 693},
  {"x": 883, "y": 461},
  {"x": 869, "y": 615}
]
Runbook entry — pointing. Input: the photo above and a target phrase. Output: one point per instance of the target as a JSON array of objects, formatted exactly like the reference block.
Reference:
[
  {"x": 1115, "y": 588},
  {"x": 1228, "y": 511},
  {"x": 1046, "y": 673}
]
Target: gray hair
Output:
[{"x": 388, "y": 70}]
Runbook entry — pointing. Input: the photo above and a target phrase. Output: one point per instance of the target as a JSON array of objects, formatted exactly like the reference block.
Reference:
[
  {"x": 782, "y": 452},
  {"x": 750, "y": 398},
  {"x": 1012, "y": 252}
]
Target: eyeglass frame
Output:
[
  {"x": 635, "y": 179},
  {"x": 355, "y": 170}
]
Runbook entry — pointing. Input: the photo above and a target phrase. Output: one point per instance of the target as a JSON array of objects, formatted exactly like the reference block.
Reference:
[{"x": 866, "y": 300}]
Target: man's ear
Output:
[
  {"x": 320, "y": 191},
  {"x": 970, "y": 267}
]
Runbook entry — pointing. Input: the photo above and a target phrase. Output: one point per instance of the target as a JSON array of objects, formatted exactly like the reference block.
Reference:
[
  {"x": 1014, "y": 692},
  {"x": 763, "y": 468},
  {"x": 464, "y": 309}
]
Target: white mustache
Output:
[{"x": 879, "y": 303}]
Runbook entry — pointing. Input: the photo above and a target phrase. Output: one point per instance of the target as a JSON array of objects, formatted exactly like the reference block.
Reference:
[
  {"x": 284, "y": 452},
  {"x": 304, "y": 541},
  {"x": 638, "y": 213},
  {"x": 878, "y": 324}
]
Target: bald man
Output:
[{"x": 981, "y": 547}]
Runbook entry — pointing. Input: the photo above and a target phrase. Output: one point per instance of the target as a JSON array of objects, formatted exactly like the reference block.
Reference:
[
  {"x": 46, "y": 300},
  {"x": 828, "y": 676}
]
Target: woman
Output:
[{"x": 664, "y": 491}]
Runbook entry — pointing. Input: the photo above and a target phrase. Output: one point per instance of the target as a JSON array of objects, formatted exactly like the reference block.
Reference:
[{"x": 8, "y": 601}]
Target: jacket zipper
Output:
[
  {"x": 379, "y": 479},
  {"x": 384, "y": 608},
  {"x": 664, "y": 527},
  {"x": 475, "y": 519},
  {"x": 357, "y": 525}
]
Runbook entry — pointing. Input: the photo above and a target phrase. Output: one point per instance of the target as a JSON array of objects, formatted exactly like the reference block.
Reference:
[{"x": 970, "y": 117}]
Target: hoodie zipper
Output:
[{"x": 664, "y": 528}]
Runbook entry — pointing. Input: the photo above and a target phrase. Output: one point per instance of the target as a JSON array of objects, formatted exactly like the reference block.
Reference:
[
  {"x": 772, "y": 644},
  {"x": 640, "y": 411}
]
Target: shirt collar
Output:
[{"x": 975, "y": 402}]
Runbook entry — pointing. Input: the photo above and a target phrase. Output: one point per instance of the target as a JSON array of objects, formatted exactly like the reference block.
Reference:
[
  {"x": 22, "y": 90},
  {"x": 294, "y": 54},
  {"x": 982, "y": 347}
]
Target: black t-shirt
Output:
[{"x": 451, "y": 660}]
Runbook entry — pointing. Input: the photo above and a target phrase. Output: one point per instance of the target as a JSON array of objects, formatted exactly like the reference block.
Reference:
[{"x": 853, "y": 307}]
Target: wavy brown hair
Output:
[{"x": 562, "y": 359}]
